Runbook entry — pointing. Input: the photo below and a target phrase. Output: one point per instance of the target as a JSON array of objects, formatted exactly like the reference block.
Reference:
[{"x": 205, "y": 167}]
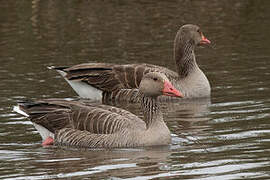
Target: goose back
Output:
[
  {"x": 112, "y": 77},
  {"x": 101, "y": 119}
]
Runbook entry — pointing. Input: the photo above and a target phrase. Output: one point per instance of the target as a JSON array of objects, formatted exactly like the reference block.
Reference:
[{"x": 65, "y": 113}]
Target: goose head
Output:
[
  {"x": 154, "y": 84},
  {"x": 190, "y": 32}
]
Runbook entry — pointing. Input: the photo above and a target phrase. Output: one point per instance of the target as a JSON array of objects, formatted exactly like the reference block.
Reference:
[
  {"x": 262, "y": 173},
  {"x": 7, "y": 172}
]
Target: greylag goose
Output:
[
  {"x": 79, "y": 124},
  {"x": 98, "y": 80}
]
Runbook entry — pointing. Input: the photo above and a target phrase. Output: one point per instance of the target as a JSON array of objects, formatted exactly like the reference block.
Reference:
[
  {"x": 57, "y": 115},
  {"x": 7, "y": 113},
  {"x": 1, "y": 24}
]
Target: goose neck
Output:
[
  {"x": 151, "y": 111},
  {"x": 184, "y": 57}
]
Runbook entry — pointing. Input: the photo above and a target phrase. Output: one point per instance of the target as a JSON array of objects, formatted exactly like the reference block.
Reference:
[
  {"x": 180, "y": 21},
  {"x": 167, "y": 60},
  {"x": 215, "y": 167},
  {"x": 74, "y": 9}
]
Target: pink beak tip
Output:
[
  {"x": 170, "y": 89},
  {"x": 180, "y": 94},
  {"x": 205, "y": 40}
]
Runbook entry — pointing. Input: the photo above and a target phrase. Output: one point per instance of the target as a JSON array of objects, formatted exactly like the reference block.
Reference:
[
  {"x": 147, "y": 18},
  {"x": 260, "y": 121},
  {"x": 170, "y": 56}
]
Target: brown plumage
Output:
[
  {"x": 82, "y": 124},
  {"x": 108, "y": 79}
]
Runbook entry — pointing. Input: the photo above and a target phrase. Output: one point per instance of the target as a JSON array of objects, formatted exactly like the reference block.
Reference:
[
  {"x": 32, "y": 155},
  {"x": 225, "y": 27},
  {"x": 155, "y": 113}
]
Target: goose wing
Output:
[
  {"x": 112, "y": 77},
  {"x": 56, "y": 114},
  {"x": 52, "y": 116}
]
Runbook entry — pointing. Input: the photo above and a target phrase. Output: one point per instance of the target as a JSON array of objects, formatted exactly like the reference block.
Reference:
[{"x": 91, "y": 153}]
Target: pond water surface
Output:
[{"x": 227, "y": 138}]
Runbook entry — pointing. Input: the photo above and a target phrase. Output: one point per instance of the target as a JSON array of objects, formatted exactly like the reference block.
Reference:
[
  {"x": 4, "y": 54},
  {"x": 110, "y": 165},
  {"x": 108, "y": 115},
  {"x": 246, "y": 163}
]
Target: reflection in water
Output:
[
  {"x": 225, "y": 139},
  {"x": 184, "y": 116},
  {"x": 93, "y": 163}
]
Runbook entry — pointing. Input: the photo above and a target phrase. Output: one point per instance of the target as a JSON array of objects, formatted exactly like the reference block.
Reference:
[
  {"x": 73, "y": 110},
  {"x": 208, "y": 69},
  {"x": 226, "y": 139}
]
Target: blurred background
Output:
[{"x": 227, "y": 138}]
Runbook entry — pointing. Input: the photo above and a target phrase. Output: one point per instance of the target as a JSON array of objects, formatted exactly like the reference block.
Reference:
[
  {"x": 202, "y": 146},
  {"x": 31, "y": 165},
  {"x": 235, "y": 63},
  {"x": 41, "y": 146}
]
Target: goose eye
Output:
[
  {"x": 199, "y": 31},
  {"x": 155, "y": 79}
]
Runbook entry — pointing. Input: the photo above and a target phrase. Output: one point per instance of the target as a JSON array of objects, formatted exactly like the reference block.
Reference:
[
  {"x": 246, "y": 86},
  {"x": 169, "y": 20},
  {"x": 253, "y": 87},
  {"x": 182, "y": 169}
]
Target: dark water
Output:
[{"x": 227, "y": 139}]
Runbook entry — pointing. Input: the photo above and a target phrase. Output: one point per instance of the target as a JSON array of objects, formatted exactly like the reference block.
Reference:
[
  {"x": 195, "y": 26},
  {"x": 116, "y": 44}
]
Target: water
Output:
[{"x": 228, "y": 138}]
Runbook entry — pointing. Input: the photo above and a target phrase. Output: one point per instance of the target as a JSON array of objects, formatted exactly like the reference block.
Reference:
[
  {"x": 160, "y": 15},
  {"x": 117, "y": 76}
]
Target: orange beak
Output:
[
  {"x": 204, "y": 40},
  {"x": 169, "y": 90}
]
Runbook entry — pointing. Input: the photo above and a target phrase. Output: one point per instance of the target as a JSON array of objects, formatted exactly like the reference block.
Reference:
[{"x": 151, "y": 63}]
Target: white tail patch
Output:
[
  {"x": 82, "y": 89},
  {"x": 18, "y": 110},
  {"x": 44, "y": 133}
]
